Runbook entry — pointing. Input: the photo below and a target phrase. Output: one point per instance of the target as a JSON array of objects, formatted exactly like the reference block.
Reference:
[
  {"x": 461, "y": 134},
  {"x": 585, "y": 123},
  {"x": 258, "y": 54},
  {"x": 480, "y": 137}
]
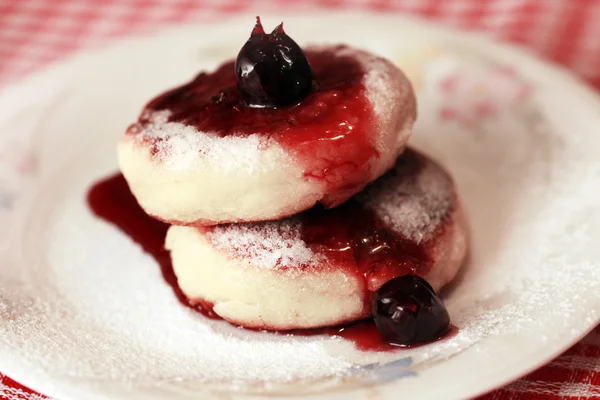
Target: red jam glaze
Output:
[
  {"x": 331, "y": 132},
  {"x": 353, "y": 237}
]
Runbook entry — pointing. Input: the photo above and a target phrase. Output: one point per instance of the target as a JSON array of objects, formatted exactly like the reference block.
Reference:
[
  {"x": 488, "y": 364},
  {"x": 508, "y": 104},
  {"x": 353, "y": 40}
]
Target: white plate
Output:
[{"x": 84, "y": 314}]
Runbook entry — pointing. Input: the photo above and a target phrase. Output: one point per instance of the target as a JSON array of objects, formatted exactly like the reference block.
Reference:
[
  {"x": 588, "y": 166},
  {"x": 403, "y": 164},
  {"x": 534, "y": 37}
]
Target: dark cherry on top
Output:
[{"x": 272, "y": 70}]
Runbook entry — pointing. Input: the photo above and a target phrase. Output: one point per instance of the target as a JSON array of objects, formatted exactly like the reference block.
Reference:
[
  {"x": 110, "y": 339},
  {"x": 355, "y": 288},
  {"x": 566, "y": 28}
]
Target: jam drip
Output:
[
  {"x": 111, "y": 200},
  {"x": 330, "y": 133},
  {"x": 354, "y": 237}
]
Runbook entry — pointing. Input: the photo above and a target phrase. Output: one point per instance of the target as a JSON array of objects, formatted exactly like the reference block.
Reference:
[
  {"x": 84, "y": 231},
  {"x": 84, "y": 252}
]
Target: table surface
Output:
[{"x": 34, "y": 33}]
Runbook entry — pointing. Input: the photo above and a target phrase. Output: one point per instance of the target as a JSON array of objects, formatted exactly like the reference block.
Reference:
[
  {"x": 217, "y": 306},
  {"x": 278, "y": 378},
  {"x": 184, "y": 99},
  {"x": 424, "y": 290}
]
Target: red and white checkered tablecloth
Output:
[{"x": 36, "y": 32}]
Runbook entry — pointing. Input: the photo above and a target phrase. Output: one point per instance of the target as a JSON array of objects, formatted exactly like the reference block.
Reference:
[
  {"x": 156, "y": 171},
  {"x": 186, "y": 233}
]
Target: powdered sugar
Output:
[
  {"x": 268, "y": 245},
  {"x": 412, "y": 204},
  {"x": 390, "y": 93},
  {"x": 178, "y": 146}
]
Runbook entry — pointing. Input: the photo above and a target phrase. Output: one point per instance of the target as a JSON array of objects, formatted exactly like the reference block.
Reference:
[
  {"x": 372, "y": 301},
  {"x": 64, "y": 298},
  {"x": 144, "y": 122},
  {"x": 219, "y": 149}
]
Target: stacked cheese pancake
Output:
[{"x": 291, "y": 192}]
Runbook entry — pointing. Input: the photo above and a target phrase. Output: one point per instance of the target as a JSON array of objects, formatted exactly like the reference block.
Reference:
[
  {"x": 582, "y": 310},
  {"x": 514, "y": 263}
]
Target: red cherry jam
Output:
[
  {"x": 330, "y": 133},
  {"x": 354, "y": 237}
]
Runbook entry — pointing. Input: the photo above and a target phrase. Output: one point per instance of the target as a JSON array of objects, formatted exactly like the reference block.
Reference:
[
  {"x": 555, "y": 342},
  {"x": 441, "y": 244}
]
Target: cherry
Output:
[
  {"x": 407, "y": 311},
  {"x": 272, "y": 70}
]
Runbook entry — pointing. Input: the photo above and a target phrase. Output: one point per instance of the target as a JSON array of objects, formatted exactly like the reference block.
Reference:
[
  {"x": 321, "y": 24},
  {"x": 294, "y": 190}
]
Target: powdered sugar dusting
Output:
[
  {"x": 389, "y": 91},
  {"x": 268, "y": 245},
  {"x": 412, "y": 203},
  {"x": 178, "y": 146}
]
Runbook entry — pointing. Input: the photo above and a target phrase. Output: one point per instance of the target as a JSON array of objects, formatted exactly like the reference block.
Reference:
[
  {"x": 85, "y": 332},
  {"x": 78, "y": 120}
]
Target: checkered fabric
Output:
[{"x": 34, "y": 33}]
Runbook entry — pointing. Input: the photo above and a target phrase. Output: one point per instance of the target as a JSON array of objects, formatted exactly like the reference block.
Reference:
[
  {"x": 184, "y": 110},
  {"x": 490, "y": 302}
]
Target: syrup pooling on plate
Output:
[
  {"x": 330, "y": 132},
  {"x": 111, "y": 200}
]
